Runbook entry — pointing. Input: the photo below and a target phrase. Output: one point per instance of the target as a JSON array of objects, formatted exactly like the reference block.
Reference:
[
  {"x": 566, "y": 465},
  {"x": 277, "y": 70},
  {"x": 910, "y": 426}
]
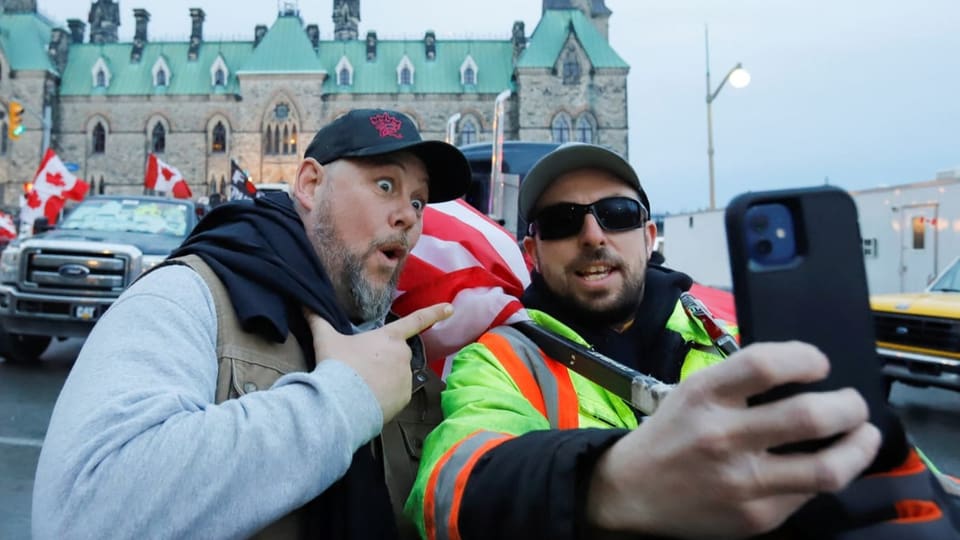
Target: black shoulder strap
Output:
[{"x": 643, "y": 392}]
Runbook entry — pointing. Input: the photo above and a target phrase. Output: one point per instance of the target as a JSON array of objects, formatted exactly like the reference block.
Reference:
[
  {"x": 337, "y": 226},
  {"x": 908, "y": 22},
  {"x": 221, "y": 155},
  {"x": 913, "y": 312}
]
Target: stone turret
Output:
[
  {"x": 19, "y": 6},
  {"x": 104, "y": 21},
  {"x": 346, "y": 19}
]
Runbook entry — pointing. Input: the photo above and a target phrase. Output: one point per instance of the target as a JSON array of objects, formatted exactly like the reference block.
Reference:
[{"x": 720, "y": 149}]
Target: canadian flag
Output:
[
  {"x": 52, "y": 185},
  {"x": 465, "y": 258},
  {"x": 8, "y": 229},
  {"x": 165, "y": 179}
]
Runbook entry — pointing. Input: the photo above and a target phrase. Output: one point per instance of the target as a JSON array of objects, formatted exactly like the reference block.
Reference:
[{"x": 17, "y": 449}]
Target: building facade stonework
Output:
[{"x": 198, "y": 104}]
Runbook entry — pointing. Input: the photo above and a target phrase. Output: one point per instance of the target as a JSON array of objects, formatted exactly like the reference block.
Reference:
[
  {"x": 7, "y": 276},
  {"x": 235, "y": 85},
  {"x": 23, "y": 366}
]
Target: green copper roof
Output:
[
  {"x": 551, "y": 33},
  {"x": 285, "y": 49},
  {"x": 24, "y": 38},
  {"x": 136, "y": 78},
  {"x": 494, "y": 61}
]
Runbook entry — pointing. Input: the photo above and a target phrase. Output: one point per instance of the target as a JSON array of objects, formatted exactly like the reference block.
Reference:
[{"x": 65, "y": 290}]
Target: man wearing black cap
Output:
[
  {"x": 516, "y": 455},
  {"x": 238, "y": 389}
]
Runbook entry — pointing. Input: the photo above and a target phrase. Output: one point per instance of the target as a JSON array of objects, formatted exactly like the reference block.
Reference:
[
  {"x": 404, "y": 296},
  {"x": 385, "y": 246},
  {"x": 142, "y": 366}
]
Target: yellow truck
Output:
[{"x": 918, "y": 334}]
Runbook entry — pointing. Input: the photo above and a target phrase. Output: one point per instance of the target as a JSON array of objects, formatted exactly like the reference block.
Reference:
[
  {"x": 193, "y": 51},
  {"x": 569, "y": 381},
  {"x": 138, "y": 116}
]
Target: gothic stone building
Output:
[{"x": 198, "y": 103}]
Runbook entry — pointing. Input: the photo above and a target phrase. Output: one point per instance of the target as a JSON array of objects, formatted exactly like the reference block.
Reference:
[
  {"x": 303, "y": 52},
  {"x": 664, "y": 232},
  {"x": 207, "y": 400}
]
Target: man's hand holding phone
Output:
[{"x": 705, "y": 452}]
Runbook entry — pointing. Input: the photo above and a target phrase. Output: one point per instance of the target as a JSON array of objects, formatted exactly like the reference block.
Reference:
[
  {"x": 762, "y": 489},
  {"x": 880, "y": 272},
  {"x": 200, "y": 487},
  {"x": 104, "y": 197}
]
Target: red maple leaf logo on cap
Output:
[{"x": 387, "y": 125}]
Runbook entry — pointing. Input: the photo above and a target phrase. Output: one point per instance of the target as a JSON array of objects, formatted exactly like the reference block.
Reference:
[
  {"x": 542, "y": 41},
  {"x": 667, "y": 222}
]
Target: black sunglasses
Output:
[{"x": 566, "y": 219}]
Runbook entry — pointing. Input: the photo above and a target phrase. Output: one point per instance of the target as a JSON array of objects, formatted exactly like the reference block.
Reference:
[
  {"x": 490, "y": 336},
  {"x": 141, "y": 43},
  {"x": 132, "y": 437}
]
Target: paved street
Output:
[{"x": 27, "y": 395}]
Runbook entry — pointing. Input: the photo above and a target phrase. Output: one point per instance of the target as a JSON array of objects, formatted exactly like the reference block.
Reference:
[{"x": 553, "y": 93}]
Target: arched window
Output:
[
  {"x": 406, "y": 76},
  {"x": 99, "y": 138},
  {"x": 584, "y": 129},
  {"x": 219, "y": 78},
  {"x": 560, "y": 129},
  {"x": 281, "y": 130},
  {"x": 161, "y": 78},
  {"x": 219, "y": 140},
  {"x": 343, "y": 78},
  {"x": 101, "y": 79},
  {"x": 469, "y": 76},
  {"x": 468, "y": 132},
  {"x": 268, "y": 141},
  {"x": 159, "y": 139}
]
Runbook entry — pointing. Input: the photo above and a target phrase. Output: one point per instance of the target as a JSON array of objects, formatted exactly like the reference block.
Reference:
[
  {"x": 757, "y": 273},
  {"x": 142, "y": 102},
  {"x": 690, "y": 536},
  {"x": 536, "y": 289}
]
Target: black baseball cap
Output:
[
  {"x": 374, "y": 132},
  {"x": 569, "y": 157}
]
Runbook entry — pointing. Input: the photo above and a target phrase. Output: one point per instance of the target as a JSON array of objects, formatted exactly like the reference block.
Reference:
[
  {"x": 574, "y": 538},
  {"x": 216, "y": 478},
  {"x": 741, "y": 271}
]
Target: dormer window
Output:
[
  {"x": 100, "y": 74},
  {"x": 161, "y": 73},
  {"x": 468, "y": 72},
  {"x": 571, "y": 66},
  {"x": 405, "y": 72},
  {"x": 344, "y": 72},
  {"x": 219, "y": 72}
]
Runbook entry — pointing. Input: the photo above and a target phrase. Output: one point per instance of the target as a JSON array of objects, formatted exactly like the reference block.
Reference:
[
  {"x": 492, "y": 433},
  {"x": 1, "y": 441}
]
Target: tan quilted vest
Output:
[{"x": 247, "y": 363}]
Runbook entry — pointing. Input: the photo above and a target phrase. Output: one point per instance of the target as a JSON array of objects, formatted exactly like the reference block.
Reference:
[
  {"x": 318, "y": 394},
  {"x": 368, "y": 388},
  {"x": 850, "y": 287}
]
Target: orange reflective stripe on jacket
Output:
[
  {"x": 448, "y": 481},
  {"x": 545, "y": 383}
]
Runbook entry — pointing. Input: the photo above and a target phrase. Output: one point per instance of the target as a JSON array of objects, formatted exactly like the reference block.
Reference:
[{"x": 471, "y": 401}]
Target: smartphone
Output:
[{"x": 798, "y": 274}]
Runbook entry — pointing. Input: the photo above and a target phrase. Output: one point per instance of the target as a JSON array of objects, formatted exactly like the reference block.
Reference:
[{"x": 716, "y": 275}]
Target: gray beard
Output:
[{"x": 362, "y": 300}]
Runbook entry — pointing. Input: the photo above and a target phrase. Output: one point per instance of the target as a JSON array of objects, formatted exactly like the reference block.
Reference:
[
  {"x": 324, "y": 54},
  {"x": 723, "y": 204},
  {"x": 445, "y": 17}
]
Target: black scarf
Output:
[
  {"x": 261, "y": 253},
  {"x": 646, "y": 345}
]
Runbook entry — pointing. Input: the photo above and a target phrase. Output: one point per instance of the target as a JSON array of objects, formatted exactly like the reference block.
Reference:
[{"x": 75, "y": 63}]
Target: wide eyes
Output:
[{"x": 387, "y": 186}]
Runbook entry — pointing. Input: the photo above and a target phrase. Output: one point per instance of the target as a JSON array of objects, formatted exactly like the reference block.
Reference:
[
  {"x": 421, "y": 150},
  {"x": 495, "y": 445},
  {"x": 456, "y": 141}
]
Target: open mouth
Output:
[
  {"x": 393, "y": 252},
  {"x": 596, "y": 272}
]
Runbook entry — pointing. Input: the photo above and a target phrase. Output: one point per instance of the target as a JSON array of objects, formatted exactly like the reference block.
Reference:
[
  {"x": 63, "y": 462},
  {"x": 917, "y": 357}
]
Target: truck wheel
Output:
[{"x": 21, "y": 348}]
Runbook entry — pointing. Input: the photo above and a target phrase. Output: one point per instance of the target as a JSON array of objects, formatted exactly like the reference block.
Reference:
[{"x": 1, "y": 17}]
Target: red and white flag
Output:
[
  {"x": 52, "y": 185},
  {"x": 8, "y": 229},
  {"x": 464, "y": 258},
  {"x": 163, "y": 178}
]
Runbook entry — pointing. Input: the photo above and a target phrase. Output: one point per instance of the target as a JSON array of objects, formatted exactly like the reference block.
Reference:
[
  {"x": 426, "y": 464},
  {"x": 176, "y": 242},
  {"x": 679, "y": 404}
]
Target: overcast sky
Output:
[{"x": 854, "y": 92}]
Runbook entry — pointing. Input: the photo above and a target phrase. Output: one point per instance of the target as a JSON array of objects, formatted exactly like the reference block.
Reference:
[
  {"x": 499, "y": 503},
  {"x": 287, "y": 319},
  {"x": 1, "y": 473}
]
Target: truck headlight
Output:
[
  {"x": 10, "y": 264},
  {"x": 149, "y": 261}
]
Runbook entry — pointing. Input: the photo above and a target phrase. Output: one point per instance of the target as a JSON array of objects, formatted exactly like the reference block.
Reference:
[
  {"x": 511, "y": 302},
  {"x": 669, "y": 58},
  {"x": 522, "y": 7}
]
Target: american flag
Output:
[{"x": 465, "y": 258}]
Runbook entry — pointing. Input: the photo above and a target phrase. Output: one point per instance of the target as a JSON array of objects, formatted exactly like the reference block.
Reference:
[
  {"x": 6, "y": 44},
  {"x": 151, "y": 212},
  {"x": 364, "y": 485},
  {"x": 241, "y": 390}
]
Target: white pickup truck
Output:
[{"x": 58, "y": 282}]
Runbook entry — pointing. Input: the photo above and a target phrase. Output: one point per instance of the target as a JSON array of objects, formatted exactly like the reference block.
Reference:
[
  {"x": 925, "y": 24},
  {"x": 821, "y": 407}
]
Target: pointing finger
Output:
[{"x": 420, "y": 320}]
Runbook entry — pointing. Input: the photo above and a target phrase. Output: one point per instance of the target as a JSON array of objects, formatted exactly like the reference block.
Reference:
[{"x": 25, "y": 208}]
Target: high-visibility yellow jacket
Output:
[{"x": 502, "y": 387}]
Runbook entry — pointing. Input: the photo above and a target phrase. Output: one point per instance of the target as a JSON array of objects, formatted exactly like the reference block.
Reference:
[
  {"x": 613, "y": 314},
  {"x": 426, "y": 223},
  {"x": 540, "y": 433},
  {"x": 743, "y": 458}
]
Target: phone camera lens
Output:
[
  {"x": 759, "y": 222},
  {"x": 763, "y": 247}
]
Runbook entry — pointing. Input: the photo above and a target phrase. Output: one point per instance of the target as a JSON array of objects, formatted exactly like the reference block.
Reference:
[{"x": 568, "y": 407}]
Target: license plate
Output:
[{"x": 85, "y": 313}]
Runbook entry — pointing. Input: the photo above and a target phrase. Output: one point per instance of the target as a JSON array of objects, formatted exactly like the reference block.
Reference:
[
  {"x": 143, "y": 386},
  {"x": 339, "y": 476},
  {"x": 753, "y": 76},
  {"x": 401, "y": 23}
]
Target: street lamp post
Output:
[{"x": 738, "y": 78}]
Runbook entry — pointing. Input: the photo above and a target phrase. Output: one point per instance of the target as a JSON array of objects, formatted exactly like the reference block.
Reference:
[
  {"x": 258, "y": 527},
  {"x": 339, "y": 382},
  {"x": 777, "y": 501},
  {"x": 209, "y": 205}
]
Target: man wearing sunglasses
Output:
[{"x": 518, "y": 454}]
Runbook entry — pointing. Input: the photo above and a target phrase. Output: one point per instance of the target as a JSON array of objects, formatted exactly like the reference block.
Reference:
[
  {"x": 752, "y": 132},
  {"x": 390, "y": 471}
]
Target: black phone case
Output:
[{"x": 821, "y": 299}]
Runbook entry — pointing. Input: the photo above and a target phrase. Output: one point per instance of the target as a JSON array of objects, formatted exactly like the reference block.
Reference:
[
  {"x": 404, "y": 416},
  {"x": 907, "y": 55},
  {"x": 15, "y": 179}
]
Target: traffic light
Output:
[{"x": 15, "y": 127}]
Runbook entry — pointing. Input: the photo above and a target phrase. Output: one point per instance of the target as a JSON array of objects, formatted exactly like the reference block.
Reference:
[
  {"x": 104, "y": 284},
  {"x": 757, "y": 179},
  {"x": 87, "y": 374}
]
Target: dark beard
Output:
[{"x": 615, "y": 315}]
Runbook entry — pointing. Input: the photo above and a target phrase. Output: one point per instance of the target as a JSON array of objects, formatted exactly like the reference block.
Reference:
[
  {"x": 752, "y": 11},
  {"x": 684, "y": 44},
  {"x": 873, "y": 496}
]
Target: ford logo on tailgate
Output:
[{"x": 74, "y": 271}]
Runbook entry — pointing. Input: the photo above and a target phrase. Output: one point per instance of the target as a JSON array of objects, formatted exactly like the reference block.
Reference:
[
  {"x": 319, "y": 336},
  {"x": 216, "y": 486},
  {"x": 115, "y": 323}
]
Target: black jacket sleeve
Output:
[{"x": 533, "y": 486}]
